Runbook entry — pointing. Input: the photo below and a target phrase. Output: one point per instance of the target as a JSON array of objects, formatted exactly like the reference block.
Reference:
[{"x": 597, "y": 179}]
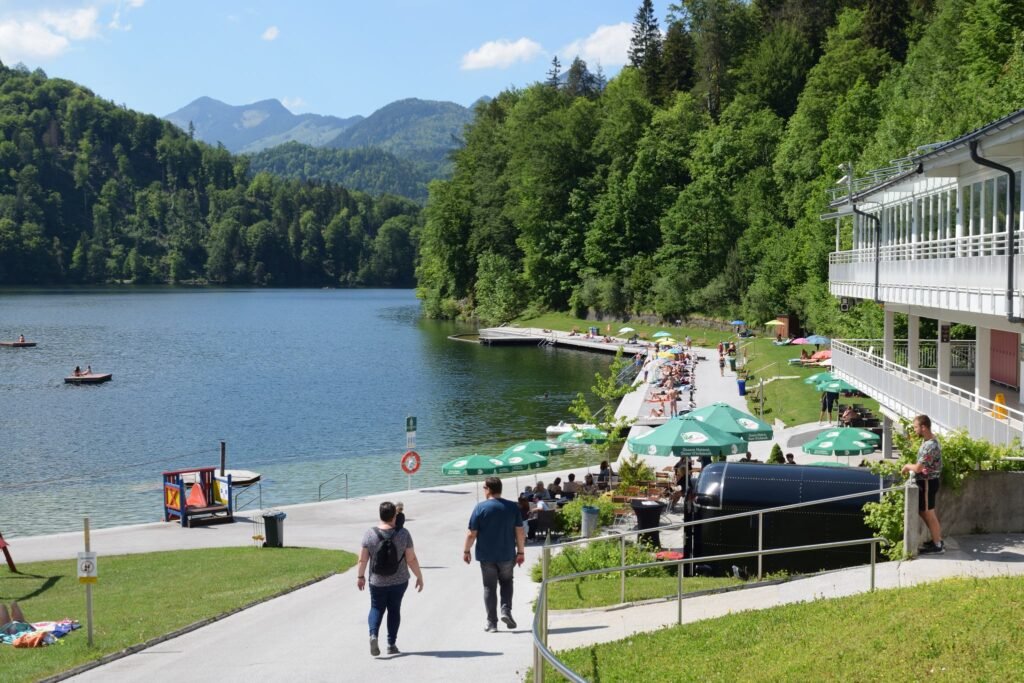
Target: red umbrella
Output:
[
  {"x": 821, "y": 355},
  {"x": 799, "y": 340}
]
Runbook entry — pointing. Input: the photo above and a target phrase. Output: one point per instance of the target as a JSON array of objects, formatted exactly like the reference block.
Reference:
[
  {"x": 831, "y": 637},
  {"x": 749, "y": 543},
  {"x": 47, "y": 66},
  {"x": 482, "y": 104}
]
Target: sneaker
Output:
[
  {"x": 393, "y": 650},
  {"x": 374, "y": 648},
  {"x": 506, "y": 617},
  {"x": 491, "y": 627},
  {"x": 930, "y": 548}
]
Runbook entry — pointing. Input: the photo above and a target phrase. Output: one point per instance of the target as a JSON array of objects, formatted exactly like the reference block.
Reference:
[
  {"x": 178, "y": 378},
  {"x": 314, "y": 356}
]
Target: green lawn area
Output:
[
  {"x": 955, "y": 630},
  {"x": 605, "y": 591},
  {"x": 139, "y": 597},
  {"x": 565, "y": 322},
  {"x": 789, "y": 400}
]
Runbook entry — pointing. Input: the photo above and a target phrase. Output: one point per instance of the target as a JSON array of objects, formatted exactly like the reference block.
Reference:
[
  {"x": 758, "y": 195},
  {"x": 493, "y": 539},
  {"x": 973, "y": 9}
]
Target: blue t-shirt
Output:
[{"x": 495, "y": 521}]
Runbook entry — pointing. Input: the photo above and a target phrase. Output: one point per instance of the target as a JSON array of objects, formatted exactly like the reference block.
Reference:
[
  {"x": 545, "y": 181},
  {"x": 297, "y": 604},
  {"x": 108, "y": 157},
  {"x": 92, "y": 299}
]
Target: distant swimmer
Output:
[{"x": 545, "y": 394}]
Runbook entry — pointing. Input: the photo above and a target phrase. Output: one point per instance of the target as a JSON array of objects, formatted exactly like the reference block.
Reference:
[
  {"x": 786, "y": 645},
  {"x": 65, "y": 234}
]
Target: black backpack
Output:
[{"x": 386, "y": 560}]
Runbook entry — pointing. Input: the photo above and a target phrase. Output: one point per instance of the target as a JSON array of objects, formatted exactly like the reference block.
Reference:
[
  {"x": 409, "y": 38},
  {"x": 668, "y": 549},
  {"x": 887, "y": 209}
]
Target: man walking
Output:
[
  {"x": 496, "y": 527},
  {"x": 393, "y": 558},
  {"x": 927, "y": 471}
]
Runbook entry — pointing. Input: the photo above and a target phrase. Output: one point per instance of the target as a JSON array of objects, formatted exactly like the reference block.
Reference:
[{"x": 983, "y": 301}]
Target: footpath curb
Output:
[{"x": 132, "y": 649}]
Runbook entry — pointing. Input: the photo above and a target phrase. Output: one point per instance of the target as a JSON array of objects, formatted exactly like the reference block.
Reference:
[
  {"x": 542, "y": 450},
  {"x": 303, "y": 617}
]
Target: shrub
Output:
[
  {"x": 633, "y": 471},
  {"x": 598, "y": 555},
  {"x": 571, "y": 513}
]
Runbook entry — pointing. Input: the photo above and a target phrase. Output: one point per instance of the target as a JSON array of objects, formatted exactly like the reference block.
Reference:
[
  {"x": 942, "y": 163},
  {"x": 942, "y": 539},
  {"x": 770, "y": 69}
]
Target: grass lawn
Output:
[
  {"x": 143, "y": 596},
  {"x": 789, "y": 400},
  {"x": 955, "y": 630},
  {"x": 565, "y": 322},
  {"x": 605, "y": 591}
]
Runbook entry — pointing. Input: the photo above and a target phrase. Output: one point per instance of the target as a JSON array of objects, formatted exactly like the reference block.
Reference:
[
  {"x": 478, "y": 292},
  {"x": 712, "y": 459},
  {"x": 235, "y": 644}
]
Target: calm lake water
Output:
[{"x": 302, "y": 384}]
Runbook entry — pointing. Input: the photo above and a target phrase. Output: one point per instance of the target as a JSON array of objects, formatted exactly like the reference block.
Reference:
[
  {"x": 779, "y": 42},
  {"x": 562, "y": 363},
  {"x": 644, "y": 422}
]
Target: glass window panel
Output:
[{"x": 1001, "y": 198}]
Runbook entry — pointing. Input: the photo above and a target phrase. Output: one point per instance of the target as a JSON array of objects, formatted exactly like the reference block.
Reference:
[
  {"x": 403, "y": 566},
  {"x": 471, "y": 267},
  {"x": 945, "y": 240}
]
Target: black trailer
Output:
[{"x": 730, "y": 488}]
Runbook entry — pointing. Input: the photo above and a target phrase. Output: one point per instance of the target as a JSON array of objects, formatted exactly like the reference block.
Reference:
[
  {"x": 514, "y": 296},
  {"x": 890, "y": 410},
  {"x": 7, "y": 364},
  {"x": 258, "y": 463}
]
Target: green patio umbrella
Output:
[
  {"x": 842, "y": 441},
  {"x": 661, "y": 333},
  {"x": 819, "y": 378},
  {"x": 733, "y": 421},
  {"x": 687, "y": 436},
  {"x": 518, "y": 462},
  {"x": 475, "y": 464},
  {"x": 588, "y": 435},
  {"x": 535, "y": 446},
  {"x": 836, "y": 385},
  {"x": 829, "y": 463}
]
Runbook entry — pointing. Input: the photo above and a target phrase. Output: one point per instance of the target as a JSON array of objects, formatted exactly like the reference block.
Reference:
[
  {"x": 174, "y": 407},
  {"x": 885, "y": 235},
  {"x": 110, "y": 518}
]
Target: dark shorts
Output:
[{"x": 926, "y": 496}]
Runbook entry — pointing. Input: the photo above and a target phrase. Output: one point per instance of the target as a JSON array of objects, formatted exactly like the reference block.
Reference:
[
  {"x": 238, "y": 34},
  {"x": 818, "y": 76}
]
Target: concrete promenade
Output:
[{"x": 319, "y": 633}]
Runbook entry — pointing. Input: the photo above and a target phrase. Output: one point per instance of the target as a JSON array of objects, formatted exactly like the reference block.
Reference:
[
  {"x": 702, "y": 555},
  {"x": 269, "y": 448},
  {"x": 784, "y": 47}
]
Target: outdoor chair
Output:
[{"x": 544, "y": 524}]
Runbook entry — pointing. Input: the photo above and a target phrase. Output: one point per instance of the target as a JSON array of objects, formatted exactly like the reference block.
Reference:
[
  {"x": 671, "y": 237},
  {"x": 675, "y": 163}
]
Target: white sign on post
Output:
[{"x": 87, "y": 569}]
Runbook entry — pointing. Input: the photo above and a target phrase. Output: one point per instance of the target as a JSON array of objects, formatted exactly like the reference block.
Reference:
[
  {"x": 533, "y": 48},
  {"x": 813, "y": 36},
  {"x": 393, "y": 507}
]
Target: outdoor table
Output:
[{"x": 648, "y": 516}]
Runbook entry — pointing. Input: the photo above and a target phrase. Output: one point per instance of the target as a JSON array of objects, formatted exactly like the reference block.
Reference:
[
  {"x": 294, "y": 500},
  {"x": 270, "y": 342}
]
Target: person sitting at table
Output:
[
  {"x": 555, "y": 488},
  {"x": 589, "y": 487},
  {"x": 605, "y": 474},
  {"x": 571, "y": 485},
  {"x": 540, "y": 492},
  {"x": 848, "y": 416},
  {"x": 790, "y": 460}
]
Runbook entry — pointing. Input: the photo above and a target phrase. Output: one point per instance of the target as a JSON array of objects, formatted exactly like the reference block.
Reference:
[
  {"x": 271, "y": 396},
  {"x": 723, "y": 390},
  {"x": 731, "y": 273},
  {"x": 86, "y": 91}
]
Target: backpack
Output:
[{"x": 385, "y": 560}]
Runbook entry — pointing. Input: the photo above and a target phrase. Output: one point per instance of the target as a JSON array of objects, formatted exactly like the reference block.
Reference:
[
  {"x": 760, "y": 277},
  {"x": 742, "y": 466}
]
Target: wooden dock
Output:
[{"x": 535, "y": 336}]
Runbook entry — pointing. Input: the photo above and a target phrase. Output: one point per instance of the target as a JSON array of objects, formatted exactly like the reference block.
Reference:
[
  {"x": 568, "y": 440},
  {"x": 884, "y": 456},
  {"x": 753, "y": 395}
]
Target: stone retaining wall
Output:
[{"x": 988, "y": 502}]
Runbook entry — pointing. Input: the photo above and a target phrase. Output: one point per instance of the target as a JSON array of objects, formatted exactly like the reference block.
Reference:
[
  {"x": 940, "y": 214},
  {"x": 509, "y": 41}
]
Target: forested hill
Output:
[
  {"x": 369, "y": 169},
  {"x": 695, "y": 180},
  {"x": 94, "y": 193}
]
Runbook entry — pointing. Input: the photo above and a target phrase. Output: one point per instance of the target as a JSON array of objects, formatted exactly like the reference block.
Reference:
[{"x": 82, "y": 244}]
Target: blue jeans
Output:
[
  {"x": 386, "y": 599},
  {"x": 496, "y": 573}
]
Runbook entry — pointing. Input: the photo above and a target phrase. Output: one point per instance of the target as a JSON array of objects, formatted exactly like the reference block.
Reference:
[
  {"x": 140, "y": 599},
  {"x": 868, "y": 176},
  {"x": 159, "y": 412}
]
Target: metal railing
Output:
[
  {"x": 540, "y": 620},
  {"x": 254, "y": 496},
  {"x": 987, "y": 244},
  {"x": 909, "y": 392},
  {"x": 962, "y": 352},
  {"x": 336, "y": 489}
]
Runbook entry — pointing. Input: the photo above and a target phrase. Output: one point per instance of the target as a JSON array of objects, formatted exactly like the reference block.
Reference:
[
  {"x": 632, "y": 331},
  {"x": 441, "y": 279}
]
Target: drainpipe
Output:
[
  {"x": 1012, "y": 234},
  {"x": 878, "y": 243}
]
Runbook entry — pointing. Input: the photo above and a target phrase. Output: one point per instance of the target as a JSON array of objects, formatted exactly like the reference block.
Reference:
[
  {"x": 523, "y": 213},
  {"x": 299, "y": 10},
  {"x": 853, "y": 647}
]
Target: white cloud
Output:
[
  {"x": 501, "y": 54},
  {"x": 608, "y": 46},
  {"x": 271, "y": 33},
  {"x": 75, "y": 24},
  {"x": 135, "y": 4},
  {"x": 29, "y": 40},
  {"x": 293, "y": 104}
]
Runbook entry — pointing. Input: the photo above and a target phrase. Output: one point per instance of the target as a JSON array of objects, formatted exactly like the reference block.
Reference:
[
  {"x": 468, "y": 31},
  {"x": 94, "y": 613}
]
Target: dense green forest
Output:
[
  {"x": 694, "y": 181},
  {"x": 93, "y": 193},
  {"x": 368, "y": 169}
]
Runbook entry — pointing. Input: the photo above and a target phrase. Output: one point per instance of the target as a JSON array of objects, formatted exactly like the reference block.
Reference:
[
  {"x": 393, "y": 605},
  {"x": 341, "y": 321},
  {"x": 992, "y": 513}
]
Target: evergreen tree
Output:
[
  {"x": 885, "y": 25},
  {"x": 579, "y": 82},
  {"x": 554, "y": 73},
  {"x": 678, "y": 73},
  {"x": 645, "y": 48}
]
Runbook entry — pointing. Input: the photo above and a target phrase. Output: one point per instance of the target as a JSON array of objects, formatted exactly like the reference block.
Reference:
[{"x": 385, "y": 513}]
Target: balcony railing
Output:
[
  {"x": 908, "y": 393},
  {"x": 991, "y": 244}
]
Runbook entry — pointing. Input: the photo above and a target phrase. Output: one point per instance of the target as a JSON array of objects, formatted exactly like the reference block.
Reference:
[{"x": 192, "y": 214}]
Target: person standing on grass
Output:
[
  {"x": 389, "y": 575},
  {"x": 927, "y": 473},
  {"x": 496, "y": 527}
]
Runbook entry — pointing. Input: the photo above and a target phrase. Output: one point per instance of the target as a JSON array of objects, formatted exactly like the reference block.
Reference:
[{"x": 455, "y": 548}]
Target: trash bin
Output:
[
  {"x": 594, "y": 331},
  {"x": 732, "y": 364},
  {"x": 648, "y": 516},
  {"x": 589, "y": 521},
  {"x": 273, "y": 522},
  {"x": 742, "y": 385}
]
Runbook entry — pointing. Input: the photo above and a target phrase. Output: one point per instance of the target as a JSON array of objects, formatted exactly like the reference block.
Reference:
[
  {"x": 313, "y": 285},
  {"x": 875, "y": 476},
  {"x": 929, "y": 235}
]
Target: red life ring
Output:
[{"x": 411, "y": 462}]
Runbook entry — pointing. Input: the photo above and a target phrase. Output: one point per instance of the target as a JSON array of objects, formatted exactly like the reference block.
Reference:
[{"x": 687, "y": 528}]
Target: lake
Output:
[{"x": 303, "y": 385}]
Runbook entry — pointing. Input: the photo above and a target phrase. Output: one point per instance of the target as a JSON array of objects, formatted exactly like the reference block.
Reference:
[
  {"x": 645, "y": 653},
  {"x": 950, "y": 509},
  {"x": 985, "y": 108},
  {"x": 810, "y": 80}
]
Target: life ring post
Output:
[{"x": 410, "y": 464}]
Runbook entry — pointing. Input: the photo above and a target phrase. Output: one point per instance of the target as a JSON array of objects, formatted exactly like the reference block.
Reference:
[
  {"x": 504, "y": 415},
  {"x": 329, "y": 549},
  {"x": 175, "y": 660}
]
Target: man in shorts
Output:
[{"x": 927, "y": 472}]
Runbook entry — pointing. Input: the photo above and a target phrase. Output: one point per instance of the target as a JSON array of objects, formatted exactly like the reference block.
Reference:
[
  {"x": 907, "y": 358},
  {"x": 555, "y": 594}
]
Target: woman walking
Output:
[{"x": 393, "y": 558}]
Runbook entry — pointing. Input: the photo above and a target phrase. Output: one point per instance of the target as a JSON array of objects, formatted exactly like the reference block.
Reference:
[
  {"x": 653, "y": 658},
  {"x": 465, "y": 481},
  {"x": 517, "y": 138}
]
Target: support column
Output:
[
  {"x": 886, "y": 437},
  {"x": 888, "y": 325},
  {"x": 983, "y": 362},
  {"x": 943, "y": 355},
  {"x": 913, "y": 342}
]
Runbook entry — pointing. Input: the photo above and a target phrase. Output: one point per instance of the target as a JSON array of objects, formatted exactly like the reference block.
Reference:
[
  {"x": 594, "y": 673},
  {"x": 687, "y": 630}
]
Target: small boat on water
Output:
[
  {"x": 565, "y": 427},
  {"x": 17, "y": 344},
  {"x": 90, "y": 378}
]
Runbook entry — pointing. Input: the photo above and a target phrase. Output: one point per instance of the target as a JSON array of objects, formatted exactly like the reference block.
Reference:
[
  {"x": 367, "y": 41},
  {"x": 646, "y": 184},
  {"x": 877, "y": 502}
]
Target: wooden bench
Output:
[{"x": 216, "y": 495}]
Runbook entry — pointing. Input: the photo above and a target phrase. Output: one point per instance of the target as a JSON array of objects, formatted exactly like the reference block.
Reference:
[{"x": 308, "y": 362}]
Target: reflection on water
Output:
[{"x": 302, "y": 384}]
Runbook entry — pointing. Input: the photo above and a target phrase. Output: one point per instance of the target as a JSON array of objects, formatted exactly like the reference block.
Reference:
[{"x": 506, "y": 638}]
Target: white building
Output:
[{"x": 938, "y": 236}]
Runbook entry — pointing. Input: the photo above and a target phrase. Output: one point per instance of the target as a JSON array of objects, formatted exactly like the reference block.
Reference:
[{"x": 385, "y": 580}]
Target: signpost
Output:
[
  {"x": 410, "y": 443},
  {"x": 87, "y": 574}
]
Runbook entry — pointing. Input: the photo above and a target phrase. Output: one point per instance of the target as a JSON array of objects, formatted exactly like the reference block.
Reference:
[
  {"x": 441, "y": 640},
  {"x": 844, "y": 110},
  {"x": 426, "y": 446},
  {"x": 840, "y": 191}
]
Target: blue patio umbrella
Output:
[
  {"x": 737, "y": 322},
  {"x": 660, "y": 334},
  {"x": 818, "y": 339}
]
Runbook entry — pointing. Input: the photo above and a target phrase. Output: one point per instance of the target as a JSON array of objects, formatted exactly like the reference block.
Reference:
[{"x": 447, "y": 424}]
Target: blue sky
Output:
[{"x": 344, "y": 57}]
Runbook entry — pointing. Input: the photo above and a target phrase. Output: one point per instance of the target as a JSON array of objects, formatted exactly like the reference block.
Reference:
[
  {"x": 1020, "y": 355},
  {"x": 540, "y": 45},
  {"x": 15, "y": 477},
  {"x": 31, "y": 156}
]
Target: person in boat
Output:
[
  {"x": 21, "y": 339},
  {"x": 77, "y": 372},
  {"x": 88, "y": 370}
]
